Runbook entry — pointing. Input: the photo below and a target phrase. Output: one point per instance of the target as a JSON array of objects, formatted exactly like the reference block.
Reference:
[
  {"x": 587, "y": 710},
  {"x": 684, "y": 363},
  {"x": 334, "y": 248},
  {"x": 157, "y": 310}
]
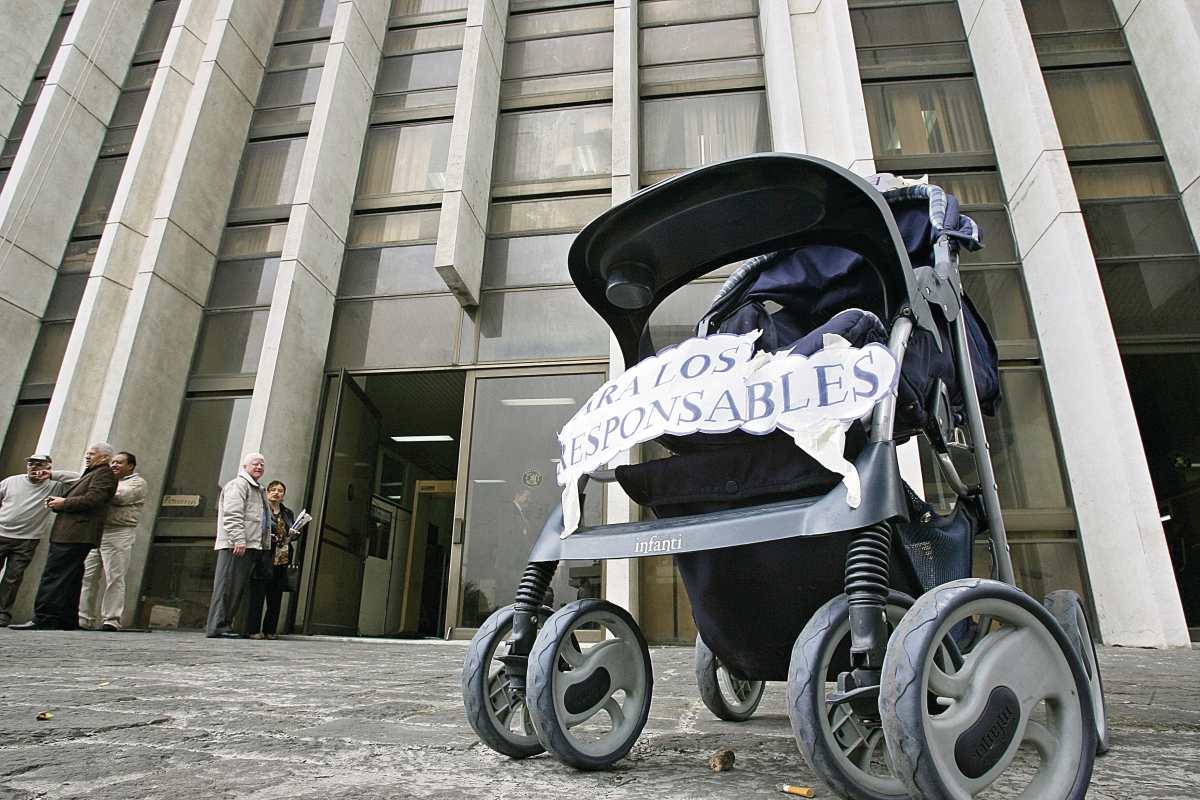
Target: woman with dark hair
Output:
[{"x": 269, "y": 579}]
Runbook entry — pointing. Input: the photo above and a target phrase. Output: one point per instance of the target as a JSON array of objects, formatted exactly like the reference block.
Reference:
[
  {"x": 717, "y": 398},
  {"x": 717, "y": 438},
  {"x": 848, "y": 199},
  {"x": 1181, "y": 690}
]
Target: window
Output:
[
  {"x": 687, "y": 48},
  {"x": 289, "y": 89},
  {"x": 559, "y": 214},
  {"x": 24, "y": 430},
  {"x": 230, "y": 343},
  {"x": 266, "y": 181},
  {"x": 393, "y": 333},
  {"x": 514, "y": 325},
  {"x": 566, "y": 149},
  {"x": 412, "y": 12},
  {"x": 526, "y": 261},
  {"x": 562, "y": 56},
  {"x": 418, "y": 75},
  {"x": 47, "y": 357},
  {"x": 1101, "y": 107},
  {"x": 98, "y": 199},
  {"x": 208, "y": 452},
  {"x": 403, "y": 160},
  {"x": 684, "y": 132},
  {"x": 305, "y": 19},
  {"x": 910, "y": 40},
  {"x": 917, "y": 119},
  {"x": 154, "y": 34}
]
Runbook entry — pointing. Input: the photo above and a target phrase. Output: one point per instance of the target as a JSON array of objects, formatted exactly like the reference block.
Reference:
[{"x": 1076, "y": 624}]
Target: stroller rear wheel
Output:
[
  {"x": 588, "y": 705},
  {"x": 1067, "y": 609},
  {"x": 1017, "y": 705},
  {"x": 500, "y": 722},
  {"x": 728, "y": 696},
  {"x": 844, "y": 749}
]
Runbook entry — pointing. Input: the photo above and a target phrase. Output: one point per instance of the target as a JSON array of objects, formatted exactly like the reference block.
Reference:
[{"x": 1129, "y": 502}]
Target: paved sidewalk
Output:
[{"x": 174, "y": 715}]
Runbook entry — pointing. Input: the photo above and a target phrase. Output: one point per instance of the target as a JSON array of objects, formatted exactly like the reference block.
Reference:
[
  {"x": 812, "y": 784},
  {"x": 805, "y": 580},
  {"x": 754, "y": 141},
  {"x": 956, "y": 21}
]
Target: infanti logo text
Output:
[{"x": 655, "y": 544}]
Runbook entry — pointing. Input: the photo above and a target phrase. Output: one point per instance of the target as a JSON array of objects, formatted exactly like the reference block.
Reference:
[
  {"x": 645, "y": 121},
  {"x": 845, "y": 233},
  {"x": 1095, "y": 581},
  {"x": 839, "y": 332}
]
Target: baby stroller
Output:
[{"x": 888, "y": 697}]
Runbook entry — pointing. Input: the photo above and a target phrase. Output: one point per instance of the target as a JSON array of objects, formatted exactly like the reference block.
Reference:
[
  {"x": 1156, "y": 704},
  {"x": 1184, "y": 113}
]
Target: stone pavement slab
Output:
[{"x": 177, "y": 716}]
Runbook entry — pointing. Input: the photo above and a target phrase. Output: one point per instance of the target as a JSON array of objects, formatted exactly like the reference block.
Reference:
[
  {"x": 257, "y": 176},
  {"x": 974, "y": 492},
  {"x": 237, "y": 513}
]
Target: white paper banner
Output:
[{"x": 717, "y": 384}]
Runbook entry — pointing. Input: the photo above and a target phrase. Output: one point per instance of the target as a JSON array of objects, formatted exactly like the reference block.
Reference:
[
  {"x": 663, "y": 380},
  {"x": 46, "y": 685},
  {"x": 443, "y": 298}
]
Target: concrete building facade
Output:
[{"x": 335, "y": 231}]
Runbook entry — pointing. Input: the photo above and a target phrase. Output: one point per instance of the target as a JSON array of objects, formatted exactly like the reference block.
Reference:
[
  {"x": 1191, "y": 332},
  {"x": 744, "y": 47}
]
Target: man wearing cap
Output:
[
  {"x": 81, "y": 513},
  {"x": 23, "y": 519}
]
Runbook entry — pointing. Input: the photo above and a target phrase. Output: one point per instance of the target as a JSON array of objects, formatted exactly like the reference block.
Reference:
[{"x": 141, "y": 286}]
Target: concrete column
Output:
[
  {"x": 145, "y": 381},
  {"x": 1128, "y": 566},
  {"x": 23, "y": 39},
  {"x": 291, "y": 369},
  {"x": 71, "y": 415},
  {"x": 41, "y": 197},
  {"x": 824, "y": 77},
  {"x": 1164, "y": 38},
  {"x": 621, "y": 575},
  {"x": 462, "y": 229}
]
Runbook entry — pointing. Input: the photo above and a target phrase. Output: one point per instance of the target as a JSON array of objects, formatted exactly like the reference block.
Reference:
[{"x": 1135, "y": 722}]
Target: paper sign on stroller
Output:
[{"x": 718, "y": 384}]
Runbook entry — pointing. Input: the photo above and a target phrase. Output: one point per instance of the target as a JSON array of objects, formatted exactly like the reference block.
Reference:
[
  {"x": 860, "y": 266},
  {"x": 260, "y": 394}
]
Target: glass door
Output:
[
  {"x": 512, "y": 423},
  {"x": 342, "y": 518}
]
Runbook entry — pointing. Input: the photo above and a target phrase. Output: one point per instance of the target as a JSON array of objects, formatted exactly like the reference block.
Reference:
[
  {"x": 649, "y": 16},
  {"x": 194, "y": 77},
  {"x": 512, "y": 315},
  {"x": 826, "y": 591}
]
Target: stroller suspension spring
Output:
[
  {"x": 867, "y": 580},
  {"x": 531, "y": 594}
]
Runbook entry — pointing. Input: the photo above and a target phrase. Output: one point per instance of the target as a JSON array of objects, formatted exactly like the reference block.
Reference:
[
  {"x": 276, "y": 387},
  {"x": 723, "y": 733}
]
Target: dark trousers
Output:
[
  {"x": 229, "y": 586},
  {"x": 269, "y": 588},
  {"x": 57, "y": 602},
  {"x": 15, "y": 555}
]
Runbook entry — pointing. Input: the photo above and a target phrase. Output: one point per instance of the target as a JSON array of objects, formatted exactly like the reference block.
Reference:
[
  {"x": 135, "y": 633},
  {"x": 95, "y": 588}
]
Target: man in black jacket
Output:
[{"x": 77, "y": 529}]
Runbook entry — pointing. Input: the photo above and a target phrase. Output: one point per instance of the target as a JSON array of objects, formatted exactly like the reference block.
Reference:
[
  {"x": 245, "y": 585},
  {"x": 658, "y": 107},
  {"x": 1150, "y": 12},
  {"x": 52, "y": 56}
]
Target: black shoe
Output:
[
  {"x": 33, "y": 626},
  {"x": 108, "y": 627}
]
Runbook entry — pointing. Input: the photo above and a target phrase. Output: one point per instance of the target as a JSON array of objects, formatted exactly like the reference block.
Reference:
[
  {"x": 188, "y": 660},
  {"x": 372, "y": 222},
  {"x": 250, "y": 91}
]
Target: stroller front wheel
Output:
[
  {"x": 589, "y": 704},
  {"x": 728, "y": 696},
  {"x": 500, "y": 722},
  {"x": 1015, "y": 707},
  {"x": 845, "y": 750}
]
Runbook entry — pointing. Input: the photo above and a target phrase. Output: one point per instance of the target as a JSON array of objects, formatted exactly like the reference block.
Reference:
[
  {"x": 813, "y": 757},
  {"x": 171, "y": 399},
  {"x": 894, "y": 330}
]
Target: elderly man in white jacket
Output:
[{"x": 242, "y": 524}]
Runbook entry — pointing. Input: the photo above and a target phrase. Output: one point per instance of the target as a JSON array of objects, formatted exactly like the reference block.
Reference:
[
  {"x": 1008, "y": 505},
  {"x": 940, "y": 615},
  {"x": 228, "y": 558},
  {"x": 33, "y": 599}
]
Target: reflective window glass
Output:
[
  {"x": 568, "y": 54},
  {"x": 180, "y": 575},
  {"x": 98, "y": 199},
  {"x": 79, "y": 256},
  {"x": 24, "y": 429},
  {"x": 971, "y": 188},
  {"x": 296, "y": 56},
  {"x": 999, "y": 296},
  {"x": 1152, "y": 298},
  {"x": 565, "y": 213},
  {"x": 389, "y": 271},
  {"x": 541, "y": 146},
  {"x": 267, "y": 177},
  {"x": 418, "y": 8},
  {"x": 252, "y": 240},
  {"x": 427, "y": 37},
  {"x": 158, "y": 27},
  {"x": 66, "y": 296},
  {"x": 407, "y": 226},
  {"x": 511, "y": 488},
  {"x": 230, "y": 343},
  {"x": 48, "y": 351},
  {"x": 926, "y": 117},
  {"x": 685, "y": 132},
  {"x": 996, "y": 235},
  {"x": 292, "y": 88},
  {"x": 208, "y": 452},
  {"x": 401, "y": 159},
  {"x": 1111, "y": 181},
  {"x": 306, "y": 15},
  {"x": 394, "y": 332},
  {"x": 907, "y": 23},
  {"x": 1137, "y": 228},
  {"x": 526, "y": 261},
  {"x": 1062, "y": 16},
  {"x": 248, "y": 282},
  {"x": 56, "y": 38},
  {"x": 1100, "y": 106},
  {"x": 539, "y": 324},
  {"x": 702, "y": 41},
  {"x": 418, "y": 71},
  {"x": 674, "y": 12}
]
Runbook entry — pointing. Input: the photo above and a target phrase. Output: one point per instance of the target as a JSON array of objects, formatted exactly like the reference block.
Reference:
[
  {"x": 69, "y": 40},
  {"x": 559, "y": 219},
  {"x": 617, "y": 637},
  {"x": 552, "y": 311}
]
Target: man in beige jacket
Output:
[
  {"x": 242, "y": 524},
  {"x": 111, "y": 558}
]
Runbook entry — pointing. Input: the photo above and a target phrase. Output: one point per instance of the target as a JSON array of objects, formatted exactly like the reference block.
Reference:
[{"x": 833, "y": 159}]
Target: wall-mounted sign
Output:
[{"x": 181, "y": 501}]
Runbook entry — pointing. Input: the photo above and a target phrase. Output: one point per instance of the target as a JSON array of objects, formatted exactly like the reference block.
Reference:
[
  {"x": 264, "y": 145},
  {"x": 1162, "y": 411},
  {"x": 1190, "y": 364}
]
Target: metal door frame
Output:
[{"x": 344, "y": 379}]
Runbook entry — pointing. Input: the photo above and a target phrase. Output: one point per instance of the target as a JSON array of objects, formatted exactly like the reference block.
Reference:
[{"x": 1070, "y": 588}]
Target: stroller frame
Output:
[{"x": 629, "y": 260}]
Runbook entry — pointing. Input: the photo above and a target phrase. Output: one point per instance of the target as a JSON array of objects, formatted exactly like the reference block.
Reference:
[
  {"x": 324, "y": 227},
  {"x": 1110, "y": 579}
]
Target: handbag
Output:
[{"x": 293, "y": 578}]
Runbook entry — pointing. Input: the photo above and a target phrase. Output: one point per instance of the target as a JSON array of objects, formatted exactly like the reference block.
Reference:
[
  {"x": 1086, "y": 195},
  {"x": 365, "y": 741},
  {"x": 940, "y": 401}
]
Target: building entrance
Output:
[{"x": 377, "y": 558}]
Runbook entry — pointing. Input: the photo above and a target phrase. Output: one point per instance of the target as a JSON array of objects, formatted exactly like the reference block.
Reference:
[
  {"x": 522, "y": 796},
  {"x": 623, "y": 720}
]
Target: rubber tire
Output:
[
  {"x": 475, "y": 687},
  {"x": 806, "y": 699},
  {"x": 543, "y": 661},
  {"x": 710, "y": 687},
  {"x": 902, "y": 699},
  {"x": 1063, "y": 605}
]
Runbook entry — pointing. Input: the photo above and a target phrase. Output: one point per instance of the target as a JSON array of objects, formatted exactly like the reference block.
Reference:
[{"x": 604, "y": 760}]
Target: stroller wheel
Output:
[
  {"x": 1016, "y": 705},
  {"x": 728, "y": 696},
  {"x": 500, "y": 723},
  {"x": 845, "y": 750},
  {"x": 589, "y": 704},
  {"x": 1067, "y": 609}
]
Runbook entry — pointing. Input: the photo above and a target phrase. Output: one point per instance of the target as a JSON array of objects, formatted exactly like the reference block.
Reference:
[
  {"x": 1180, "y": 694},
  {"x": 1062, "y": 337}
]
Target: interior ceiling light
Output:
[
  {"x": 487, "y": 480},
  {"x": 538, "y": 401},
  {"x": 438, "y": 437}
]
